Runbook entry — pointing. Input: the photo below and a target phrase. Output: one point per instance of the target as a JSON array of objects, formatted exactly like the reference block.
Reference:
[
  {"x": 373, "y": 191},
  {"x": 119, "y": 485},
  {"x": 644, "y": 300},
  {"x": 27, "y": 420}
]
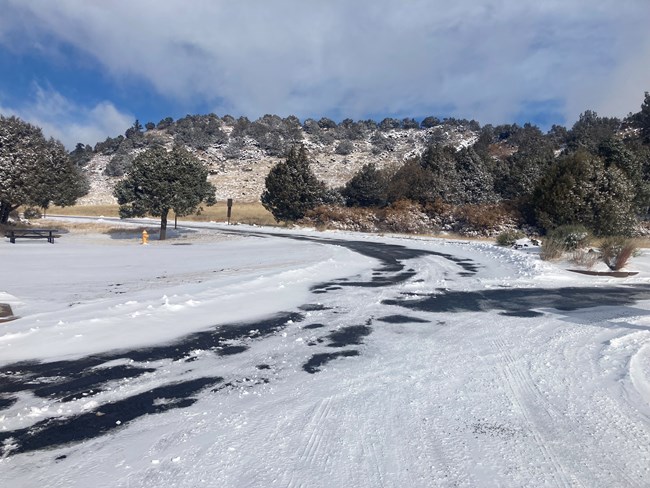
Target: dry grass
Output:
[
  {"x": 617, "y": 251},
  {"x": 552, "y": 249},
  {"x": 91, "y": 227},
  {"x": 585, "y": 259},
  {"x": 242, "y": 213},
  {"x": 86, "y": 210}
]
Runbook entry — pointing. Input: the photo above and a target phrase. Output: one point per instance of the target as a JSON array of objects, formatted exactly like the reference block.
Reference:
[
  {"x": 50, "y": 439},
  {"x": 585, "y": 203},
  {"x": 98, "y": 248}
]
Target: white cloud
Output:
[
  {"x": 67, "y": 121},
  {"x": 486, "y": 59}
]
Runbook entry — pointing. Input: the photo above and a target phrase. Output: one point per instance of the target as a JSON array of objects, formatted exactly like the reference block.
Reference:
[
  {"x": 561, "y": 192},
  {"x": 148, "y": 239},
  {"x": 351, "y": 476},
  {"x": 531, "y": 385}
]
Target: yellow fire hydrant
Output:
[{"x": 145, "y": 237}]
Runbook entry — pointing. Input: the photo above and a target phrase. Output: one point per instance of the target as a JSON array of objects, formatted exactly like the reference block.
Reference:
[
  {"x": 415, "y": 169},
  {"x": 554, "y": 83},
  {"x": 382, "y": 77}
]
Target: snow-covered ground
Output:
[{"x": 243, "y": 357}]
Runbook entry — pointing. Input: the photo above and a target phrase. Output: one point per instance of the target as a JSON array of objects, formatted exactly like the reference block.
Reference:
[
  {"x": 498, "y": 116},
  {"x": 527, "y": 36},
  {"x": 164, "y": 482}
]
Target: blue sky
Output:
[{"x": 85, "y": 69}]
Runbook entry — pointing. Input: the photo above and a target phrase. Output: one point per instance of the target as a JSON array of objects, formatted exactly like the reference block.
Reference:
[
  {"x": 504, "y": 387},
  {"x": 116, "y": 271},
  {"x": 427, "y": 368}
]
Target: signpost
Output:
[{"x": 229, "y": 209}]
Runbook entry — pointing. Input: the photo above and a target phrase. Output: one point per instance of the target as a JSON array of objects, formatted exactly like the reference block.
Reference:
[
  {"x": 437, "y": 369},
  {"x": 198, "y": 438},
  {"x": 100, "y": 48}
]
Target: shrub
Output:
[
  {"x": 344, "y": 148},
  {"x": 404, "y": 216},
  {"x": 586, "y": 259},
  {"x": 508, "y": 238},
  {"x": 32, "y": 213},
  {"x": 484, "y": 218},
  {"x": 343, "y": 218},
  {"x": 552, "y": 249},
  {"x": 119, "y": 163},
  {"x": 572, "y": 236},
  {"x": 617, "y": 251},
  {"x": 381, "y": 143}
]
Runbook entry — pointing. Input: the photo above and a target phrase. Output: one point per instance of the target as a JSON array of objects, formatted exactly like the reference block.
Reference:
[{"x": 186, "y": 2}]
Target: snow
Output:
[{"x": 475, "y": 366}]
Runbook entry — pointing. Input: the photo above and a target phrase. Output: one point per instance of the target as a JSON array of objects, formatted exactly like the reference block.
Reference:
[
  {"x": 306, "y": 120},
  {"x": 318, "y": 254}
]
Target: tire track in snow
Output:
[
  {"x": 369, "y": 451},
  {"x": 308, "y": 453},
  {"x": 591, "y": 410},
  {"x": 520, "y": 389}
]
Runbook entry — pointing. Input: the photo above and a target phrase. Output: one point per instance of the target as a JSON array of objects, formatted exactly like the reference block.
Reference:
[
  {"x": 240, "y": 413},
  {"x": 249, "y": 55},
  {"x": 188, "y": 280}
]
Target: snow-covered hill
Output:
[{"x": 242, "y": 177}]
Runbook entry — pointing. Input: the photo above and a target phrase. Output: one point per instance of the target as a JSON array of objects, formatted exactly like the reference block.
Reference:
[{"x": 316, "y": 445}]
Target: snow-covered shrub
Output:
[
  {"x": 572, "y": 236},
  {"x": 509, "y": 237},
  {"x": 617, "y": 251},
  {"x": 344, "y": 148}
]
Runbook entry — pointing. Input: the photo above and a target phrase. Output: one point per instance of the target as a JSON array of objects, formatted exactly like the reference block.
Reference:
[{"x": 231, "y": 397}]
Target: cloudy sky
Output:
[{"x": 85, "y": 69}]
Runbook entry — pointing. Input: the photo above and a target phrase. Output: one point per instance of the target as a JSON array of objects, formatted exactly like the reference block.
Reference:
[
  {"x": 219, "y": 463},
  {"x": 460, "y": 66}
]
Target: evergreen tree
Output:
[
  {"x": 518, "y": 177},
  {"x": 440, "y": 162},
  {"x": 579, "y": 189},
  {"x": 160, "y": 181},
  {"x": 413, "y": 182},
  {"x": 644, "y": 118},
  {"x": 134, "y": 131},
  {"x": 291, "y": 188},
  {"x": 616, "y": 153},
  {"x": 81, "y": 154},
  {"x": 475, "y": 178},
  {"x": 33, "y": 170},
  {"x": 591, "y": 130},
  {"x": 429, "y": 122},
  {"x": 367, "y": 188}
]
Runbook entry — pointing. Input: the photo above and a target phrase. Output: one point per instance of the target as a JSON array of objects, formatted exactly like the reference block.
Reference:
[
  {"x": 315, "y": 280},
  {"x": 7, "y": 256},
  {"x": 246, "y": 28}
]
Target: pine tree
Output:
[
  {"x": 475, "y": 179},
  {"x": 367, "y": 188},
  {"x": 579, "y": 189},
  {"x": 291, "y": 188},
  {"x": 521, "y": 172},
  {"x": 160, "y": 181},
  {"x": 33, "y": 170},
  {"x": 644, "y": 118},
  {"x": 440, "y": 162}
]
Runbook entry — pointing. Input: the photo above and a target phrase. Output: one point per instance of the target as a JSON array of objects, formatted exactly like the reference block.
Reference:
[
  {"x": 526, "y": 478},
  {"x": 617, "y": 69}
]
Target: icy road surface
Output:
[{"x": 272, "y": 358}]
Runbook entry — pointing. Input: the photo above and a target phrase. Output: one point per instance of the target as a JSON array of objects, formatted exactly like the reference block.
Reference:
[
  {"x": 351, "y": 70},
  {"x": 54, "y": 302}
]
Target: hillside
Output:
[{"x": 240, "y": 158}]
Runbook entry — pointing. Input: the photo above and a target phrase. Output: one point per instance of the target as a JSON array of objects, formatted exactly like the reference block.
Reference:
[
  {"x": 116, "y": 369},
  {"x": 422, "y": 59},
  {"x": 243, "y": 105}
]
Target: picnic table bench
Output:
[{"x": 48, "y": 234}]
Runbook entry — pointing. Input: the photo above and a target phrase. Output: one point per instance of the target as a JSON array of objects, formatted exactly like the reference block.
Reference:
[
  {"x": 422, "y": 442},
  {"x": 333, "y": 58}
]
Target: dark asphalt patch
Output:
[
  {"x": 230, "y": 350},
  {"x": 86, "y": 380},
  {"x": 317, "y": 360},
  {"x": 314, "y": 326},
  {"x": 64, "y": 381},
  {"x": 520, "y": 301},
  {"x": 346, "y": 336},
  {"x": 524, "y": 314},
  {"x": 66, "y": 377},
  {"x": 313, "y": 307},
  {"x": 402, "y": 319},
  {"x": 57, "y": 432},
  {"x": 6, "y": 402}
]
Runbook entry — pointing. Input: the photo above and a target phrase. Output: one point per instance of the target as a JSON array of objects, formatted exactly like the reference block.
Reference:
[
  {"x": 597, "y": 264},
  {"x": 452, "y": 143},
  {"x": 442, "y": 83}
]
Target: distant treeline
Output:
[{"x": 596, "y": 173}]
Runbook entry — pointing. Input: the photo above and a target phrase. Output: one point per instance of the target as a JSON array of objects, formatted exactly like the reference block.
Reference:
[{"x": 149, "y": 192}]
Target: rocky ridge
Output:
[{"x": 242, "y": 178}]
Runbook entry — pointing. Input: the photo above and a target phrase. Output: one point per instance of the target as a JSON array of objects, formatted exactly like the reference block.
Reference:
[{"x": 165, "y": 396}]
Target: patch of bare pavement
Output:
[{"x": 6, "y": 314}]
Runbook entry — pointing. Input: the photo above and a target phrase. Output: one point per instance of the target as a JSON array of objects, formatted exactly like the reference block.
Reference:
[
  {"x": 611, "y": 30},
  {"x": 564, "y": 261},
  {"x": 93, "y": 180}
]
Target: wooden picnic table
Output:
[{"x": 48, "y": 234}]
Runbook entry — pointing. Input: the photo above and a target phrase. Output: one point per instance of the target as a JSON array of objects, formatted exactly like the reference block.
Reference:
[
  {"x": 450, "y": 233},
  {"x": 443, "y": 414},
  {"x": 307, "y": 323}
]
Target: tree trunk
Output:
[
  {"x": 163, "y": 224},
  {"x": 5, "y": 210}
]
